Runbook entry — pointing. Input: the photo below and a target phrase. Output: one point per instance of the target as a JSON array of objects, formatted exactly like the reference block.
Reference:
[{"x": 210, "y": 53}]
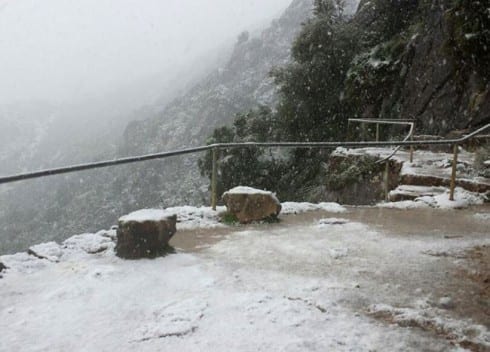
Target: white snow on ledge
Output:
[
  {"x": 247, "y": 190},
  {"x": 189, "y": 218},
  {"x": 146, "y": 215},
  {"x": 462, "y": 199},
  {"x": 250, "y": 190}
]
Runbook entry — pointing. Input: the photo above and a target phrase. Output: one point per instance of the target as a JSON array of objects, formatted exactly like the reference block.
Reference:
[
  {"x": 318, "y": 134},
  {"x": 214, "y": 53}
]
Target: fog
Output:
[{"x": 67, "y": 50}]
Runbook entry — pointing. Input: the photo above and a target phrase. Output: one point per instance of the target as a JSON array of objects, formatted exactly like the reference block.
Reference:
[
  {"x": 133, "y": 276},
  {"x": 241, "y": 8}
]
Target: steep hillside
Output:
[
  {"x": 52, "y": 208},
  {"x": 239, "y": 85},
  {"x": 22, "y": 130}
]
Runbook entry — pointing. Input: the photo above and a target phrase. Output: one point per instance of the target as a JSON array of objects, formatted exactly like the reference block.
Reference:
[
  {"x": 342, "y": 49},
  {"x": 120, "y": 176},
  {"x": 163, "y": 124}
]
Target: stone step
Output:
[
  {"x": 477, "y": 185},
  {"x": 410, "y": 192}
]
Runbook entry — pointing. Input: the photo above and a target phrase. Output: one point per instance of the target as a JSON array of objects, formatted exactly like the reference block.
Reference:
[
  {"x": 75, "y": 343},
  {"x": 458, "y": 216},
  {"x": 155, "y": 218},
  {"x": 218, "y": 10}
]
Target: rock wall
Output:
[
  {"x": 359, "y": 179},
  {"x": 431, "y": 65}
]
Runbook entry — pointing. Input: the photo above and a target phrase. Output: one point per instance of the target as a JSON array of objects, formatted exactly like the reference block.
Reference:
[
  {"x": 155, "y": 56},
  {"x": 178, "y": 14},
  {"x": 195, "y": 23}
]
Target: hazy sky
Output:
[{"x": 62, "y": 49}]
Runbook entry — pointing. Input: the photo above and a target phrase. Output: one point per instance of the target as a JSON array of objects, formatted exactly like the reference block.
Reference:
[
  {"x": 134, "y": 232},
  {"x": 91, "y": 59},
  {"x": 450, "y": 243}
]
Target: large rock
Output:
[
  {"x": 250, "y": 204},
  {"x": 358, "y": 179},
  {"x": 145, "y": 234}
]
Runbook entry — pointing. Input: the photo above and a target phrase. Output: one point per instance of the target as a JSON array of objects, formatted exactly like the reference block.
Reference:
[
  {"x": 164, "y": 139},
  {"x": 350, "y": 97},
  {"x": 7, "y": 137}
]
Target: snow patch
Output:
[
  {"x": 459, "y": 331},
  {"x": 405, "y": 204},
  {"x": 462, "y": 199},
  {"x": 177, "y": 319},
  {"x": 146, "y": 215},
  {"x": 23, "y": 263},
  {"x": 482, "y": 216},
  {"x": 189, "y": 218},
  {"x": 88, "y": 243},
  {"x": 250, "y": 190},
  {"x": 337, "y": 253},
  {"x": 303, "y": 207},
  {"x": 332, "y": 221},
  {"x": 50, "y": 251}
]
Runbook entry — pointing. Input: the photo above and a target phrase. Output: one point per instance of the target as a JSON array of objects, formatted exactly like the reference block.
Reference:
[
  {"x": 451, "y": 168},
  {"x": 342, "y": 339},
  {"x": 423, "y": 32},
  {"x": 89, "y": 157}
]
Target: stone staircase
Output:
[{"x": 430, "y": 175}]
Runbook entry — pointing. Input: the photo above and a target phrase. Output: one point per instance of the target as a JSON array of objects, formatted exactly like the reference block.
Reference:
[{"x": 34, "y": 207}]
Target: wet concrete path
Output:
[
  {"x": 448, "y": 224},
  {"x": 433, "y": 260}
]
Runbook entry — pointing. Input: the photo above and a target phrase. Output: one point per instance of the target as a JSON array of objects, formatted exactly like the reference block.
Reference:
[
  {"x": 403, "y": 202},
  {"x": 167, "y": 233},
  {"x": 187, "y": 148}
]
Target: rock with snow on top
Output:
[
  {"x": 2, "y": 267},
  {"x": 145, "y": 233},
  {"x": 23, "y": 262},
  {"x": 89, "y": 243},
  {"x": 112, "y": 233},
  {"x": 446, "y": 303},
  {"x": 50, "y": 251},
  {"x": 250, "y": 204}
]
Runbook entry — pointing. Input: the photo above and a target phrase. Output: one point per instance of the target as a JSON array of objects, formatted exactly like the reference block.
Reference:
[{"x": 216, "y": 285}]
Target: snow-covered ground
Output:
[
  {"x": 312, "y": 283},
  {"x": 436, "y": 197}
]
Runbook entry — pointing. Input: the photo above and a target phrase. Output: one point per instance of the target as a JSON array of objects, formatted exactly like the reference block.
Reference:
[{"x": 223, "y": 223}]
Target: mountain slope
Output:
[
  {"x": 241, "y": 84},
  {"x": 92, "y": 200}
]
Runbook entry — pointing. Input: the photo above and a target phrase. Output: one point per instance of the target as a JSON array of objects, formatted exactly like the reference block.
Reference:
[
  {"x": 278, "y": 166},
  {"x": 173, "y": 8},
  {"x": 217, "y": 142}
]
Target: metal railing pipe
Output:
[
  {"x": 100, "y": 164},
  {"x": 452, "y": 186},
  {"x": 215, "y": 147},
  {"x": 214, "y": 179}
]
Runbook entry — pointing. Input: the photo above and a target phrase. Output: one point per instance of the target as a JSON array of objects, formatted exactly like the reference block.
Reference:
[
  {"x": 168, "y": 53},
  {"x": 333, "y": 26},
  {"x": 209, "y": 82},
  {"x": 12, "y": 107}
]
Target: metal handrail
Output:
[
  {"x": 129, "y": 160},
  {"x": 100, "y": 164},
  {"x": 409, "y": 122},
  {"x": 409, "y": 136},
  {"x": 384, "y": 121},
  {"x": 216, "y": 146}
]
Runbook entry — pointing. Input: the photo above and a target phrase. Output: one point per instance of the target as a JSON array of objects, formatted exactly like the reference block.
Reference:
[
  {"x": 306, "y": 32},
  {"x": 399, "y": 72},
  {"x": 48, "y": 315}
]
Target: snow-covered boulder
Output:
[
  {"x": 50, "y": 251},
  {"x": 89, "y": 243},
  {"x": 250, "y": 204},
  {"x": 145, "y": 233}
]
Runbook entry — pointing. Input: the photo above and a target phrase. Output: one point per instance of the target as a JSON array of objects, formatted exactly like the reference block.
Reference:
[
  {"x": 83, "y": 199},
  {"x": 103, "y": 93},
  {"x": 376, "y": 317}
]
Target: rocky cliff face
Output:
[
  {"x": 443, "y": 88},
  {"x": 431, "y": 64}
]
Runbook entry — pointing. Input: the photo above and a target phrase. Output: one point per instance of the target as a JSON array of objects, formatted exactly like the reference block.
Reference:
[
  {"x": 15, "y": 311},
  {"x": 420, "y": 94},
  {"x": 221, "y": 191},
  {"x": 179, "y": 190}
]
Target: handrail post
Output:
[
  {"x": 214, "y": 181},
  {"x": 411, "y": 149},
  {"x": 453, "y": 173},
  {"x": 387, "y": 180},
  {"x": 377, "y": 132}
]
